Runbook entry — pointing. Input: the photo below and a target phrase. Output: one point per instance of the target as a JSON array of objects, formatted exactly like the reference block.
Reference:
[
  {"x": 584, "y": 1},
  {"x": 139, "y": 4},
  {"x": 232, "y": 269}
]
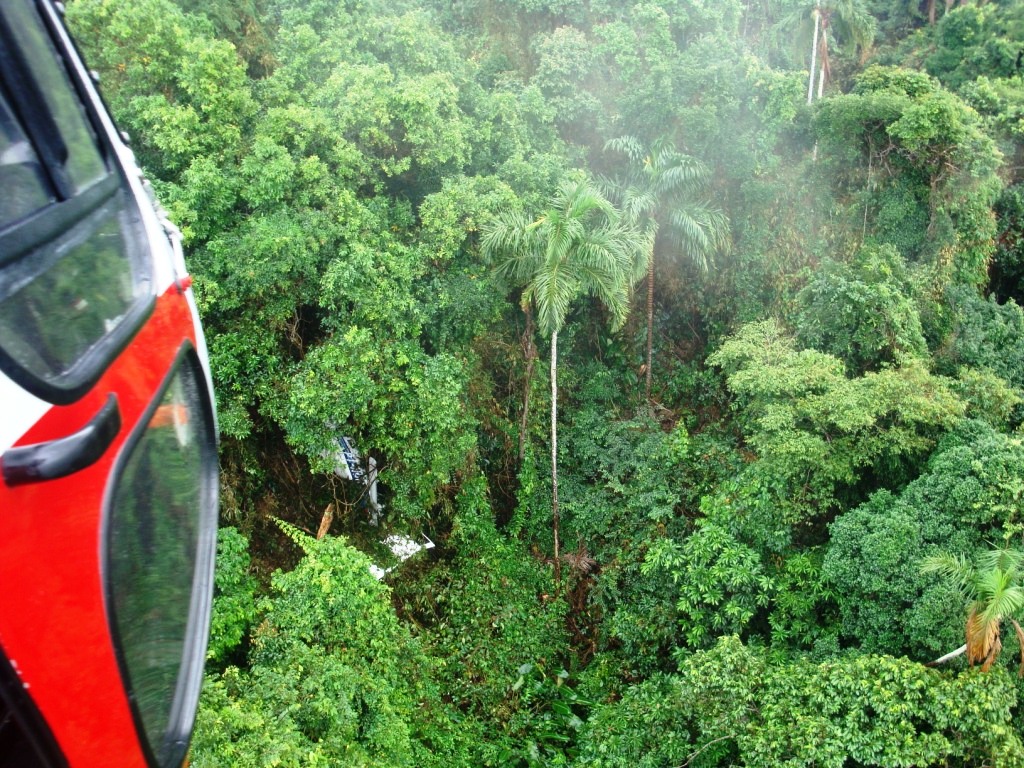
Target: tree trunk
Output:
[
  {"x": 814, "y": 57},
  {"x": 650, "y": 325},
  {"x": 931, "y": 11},
  {"x": 554, "y": 453},
  {"x": 948, "y": 657},
  {"x": 531, "y": 358}
]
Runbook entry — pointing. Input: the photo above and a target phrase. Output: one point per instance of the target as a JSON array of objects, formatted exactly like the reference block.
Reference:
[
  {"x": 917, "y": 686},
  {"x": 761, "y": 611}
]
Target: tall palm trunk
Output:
[
  {"x": 814, "y": 56},
  {"x": 530, "y": 351},
  {"x": 650, "y": 324},
  {"x": 554, "y": 452}
]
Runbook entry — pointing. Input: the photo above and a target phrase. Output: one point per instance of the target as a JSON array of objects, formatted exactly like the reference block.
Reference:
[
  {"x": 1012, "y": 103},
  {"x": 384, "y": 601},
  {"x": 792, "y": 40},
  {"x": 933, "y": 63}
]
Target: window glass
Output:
[
  {"x": 84, "y": 165},
  {"x": 57, "y": 302},
  {"x": 159, "y": 528},
  {"x": 21, "y": 177}
]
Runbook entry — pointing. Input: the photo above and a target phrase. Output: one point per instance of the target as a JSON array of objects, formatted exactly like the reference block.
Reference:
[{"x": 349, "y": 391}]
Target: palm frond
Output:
[
  {"x": 663, "y": 149},
  {"x": 994, "y": 650},
  {"x": 508, "y": 241},
  {"x": 584, "y": 202},
  {"x": 576, "y": 246},
  {"x": 1005, "y": 599},
  {"x": 610, "y": 188},
  {"x": 795, "y": 29},
  {"x": 687, "y": 175},
  {"x": 553, "y": 290},
  {"x": 983, "y": 643},
  {"x": 955, "y": 568},
  {"x": 638, "y": 204},
  {"x": 994, "y": 584},
  {"x": 630, "y": 146},
  {"x": 693, "y": 236},
  {"x": 853, "y": 23},
  {"x": 642, "y": 251},
  {"x": 717, "y": 224},
  {"x": 1003, "y": 558}
]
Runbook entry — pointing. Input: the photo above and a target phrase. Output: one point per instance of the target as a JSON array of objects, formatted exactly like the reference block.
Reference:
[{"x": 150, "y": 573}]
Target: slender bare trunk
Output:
[
  {"x": 814, "y": 56},
  {"x": 810, "y": 78},
  {"x": 871, "y": 157},
  {"x": 531, "y": 358},
  {"x": 931, "y": 11},
  {"x": 948, "y": 657},
  {"x": 554, "y": 452},
  {"x": 650, "y": 325}
]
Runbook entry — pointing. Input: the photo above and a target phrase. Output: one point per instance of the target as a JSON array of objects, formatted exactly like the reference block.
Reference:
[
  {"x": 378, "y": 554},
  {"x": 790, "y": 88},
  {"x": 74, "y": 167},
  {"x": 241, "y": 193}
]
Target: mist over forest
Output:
[{"x": 685, "y": 331}]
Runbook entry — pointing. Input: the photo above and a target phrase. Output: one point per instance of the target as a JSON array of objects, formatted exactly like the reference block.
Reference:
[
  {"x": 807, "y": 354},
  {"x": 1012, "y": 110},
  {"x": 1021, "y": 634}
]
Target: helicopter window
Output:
[
  {"x": 75, "y": 289},
  {"x": 49, "y": 99},
  {"x": 21, "y": 175},
  {"x": 75, "y": 280}
]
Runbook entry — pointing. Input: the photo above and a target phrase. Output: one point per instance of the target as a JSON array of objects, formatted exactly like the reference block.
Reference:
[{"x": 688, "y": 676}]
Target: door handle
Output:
[{"x": 66, "y": 455}]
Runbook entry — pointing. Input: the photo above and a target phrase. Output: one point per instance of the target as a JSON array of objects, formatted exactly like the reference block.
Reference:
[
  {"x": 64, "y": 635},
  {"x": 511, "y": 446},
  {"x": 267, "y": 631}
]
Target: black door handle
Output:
[{"x": 62, "y": 457}]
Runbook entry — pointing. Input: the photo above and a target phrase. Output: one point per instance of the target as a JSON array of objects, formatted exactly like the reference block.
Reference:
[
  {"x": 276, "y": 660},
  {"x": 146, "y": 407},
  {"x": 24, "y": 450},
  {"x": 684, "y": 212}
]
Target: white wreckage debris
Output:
[
  {"x": 401, "y": 547},
  {"x": 348, "y": 466}
]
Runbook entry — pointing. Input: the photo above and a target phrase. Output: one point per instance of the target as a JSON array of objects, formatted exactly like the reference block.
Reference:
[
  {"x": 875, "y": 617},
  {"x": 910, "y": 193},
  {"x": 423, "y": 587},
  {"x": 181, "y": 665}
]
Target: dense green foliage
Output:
[
  {"x": 733, "y": 704},
  {"x": 787, "y": 352}
]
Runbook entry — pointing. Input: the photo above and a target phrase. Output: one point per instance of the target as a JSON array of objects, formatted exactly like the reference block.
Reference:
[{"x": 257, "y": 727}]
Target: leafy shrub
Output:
[
  {"x": 234, "y": 601},
  {"x": 1008, "y": 264},
  {"x": 333, "y": 678},
  {"x": 621, "y": 492},
  {"x": 494, "y": 610},
  {"x": 734, "y": 705},
  {"x": 803, "y": 606},
  {"x": 818, "y": 434},
  {"x": 988, "y": 335},
  {"x": 973, "y": 489},
  {"x": 719, "y": 582},
  {"x": 989, "y": 398},
  {"x": 862, "y": 312},
  {"x": 650, "y": 727},
  {"x": 548, "y": 715},
  {"x": 872, "y": 566}
]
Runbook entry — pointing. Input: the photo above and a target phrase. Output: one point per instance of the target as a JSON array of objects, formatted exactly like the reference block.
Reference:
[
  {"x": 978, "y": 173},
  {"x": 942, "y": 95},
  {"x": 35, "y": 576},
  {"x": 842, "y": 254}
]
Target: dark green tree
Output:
[{"x": 862, "y": 312}]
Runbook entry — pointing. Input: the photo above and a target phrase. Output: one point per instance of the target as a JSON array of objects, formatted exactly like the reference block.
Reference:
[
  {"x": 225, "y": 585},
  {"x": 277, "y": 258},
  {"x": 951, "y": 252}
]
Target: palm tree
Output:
[
  {"x": 994, "y": 587},
  {"x": 576, "y": 247},
  {"x": 665, "y": 184},
  {"x": 846, "y": 20}
]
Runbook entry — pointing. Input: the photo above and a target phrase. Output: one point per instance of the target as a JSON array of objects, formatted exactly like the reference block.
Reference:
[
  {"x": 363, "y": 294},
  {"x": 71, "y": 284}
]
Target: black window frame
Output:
[
  {"x": 18, "y": 238},
  {"x": 26, "y": 726}
]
